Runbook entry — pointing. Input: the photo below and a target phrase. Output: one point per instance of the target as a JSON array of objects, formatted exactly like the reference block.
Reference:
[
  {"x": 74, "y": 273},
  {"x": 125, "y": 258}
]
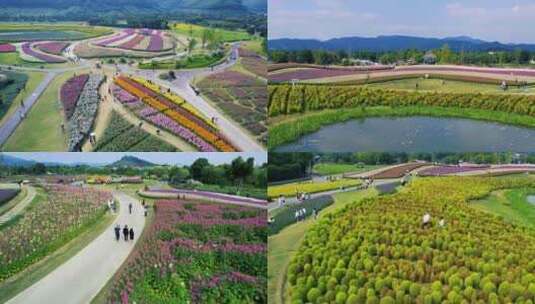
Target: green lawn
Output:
[
  {"x": 282, "y": 246},
  {"x": 193, "y": 30},
  {"x": 254, "y": 46},
  {"x": 51, "y": 31},
  {"x": 449, "y": 86},
  {"x": 41, "y": 129},
  {"x": 512, "y": 205},
  {"x": 34, "y": 79},
  {"x": 191, "y": 62},
  {"x": 291, "y": 189},
  {"x": 334, "y": 168}
]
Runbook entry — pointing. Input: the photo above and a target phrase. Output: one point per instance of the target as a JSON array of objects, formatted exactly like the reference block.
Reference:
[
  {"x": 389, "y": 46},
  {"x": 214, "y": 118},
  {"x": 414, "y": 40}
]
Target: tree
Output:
[
  {"x": 191, "y": 44},
  {"x": 241, "y": 169},
  {"x": 196, "y": 168},
  {"x": 39, "y": 168}
]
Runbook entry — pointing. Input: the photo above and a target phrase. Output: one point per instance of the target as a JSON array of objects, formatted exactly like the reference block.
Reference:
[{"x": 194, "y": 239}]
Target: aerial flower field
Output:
[{"x": 197, "y": 253}]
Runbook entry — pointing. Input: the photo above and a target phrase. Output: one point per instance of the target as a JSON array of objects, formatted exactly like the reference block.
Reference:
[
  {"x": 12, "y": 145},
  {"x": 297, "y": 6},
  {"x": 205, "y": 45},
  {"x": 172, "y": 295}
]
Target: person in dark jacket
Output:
[
  {"x": 130, "y": 208},
  {"x": 131, "y": 233},
  {"x": 117, "y": 232},
  {"x": 125, "y": 232}
]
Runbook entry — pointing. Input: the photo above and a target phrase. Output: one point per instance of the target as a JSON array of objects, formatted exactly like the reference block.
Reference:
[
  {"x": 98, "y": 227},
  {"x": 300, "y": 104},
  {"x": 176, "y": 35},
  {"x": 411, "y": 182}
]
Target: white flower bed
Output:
[{"x": 81, "y": 121}]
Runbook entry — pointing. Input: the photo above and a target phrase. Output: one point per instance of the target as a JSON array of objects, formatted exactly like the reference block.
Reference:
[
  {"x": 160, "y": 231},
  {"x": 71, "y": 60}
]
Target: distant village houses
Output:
[{"x": 430, "y": 58}]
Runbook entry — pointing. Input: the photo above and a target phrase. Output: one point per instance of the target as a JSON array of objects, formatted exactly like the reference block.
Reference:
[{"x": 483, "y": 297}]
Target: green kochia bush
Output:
[
  {"x": 287, "y": 99},
  {"x": 377, "y": 252}
]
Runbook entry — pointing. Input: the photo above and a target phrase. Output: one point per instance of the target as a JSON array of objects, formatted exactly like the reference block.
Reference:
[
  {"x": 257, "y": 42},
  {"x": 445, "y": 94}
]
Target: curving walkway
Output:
[
  {"x": 81, "y": 278},
  {"x": 18, "y": 208}
]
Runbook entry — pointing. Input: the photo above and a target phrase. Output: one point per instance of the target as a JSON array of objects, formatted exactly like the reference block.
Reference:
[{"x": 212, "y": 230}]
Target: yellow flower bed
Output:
[
  {"x": 174, "y": 98},
  {"x": 291, "y": 189}
]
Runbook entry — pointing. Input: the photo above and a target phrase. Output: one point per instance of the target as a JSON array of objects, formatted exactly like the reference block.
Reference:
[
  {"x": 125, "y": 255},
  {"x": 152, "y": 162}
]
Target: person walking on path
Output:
[
  {"x": 145, "y": 210},
  {"x": 126, "y": 232},
  {"x": 131, "y": 233},
  {"x": 118, "y": 232},
  {"x": 130, "y": 208}
]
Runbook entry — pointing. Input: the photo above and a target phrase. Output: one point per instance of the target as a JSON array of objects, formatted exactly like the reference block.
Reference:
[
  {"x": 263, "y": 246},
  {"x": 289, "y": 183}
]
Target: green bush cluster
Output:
[
  {"x": 377, "y": 251},
  {"x": 288, "y": 99}
]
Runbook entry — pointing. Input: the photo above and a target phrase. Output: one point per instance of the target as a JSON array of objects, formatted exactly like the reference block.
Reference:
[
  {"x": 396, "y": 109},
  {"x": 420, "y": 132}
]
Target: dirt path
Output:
[
  {"x": 18, "y": 208},
  {"x": 81, "y": 278}
]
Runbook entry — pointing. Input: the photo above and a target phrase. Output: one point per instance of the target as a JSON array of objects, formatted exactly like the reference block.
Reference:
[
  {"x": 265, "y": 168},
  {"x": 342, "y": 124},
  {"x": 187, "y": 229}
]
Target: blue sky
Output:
[
  {"x": 504, "y": 21},
  {"x": 183, "y": 158}
]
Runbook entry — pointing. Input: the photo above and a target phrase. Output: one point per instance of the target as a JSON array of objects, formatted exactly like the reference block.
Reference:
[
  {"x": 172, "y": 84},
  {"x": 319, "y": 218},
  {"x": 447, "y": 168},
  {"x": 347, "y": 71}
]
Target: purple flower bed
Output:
[
  {"x": 123, "y": 96},
  {"x": 167, "y": 123},
  {"x": 70, "y": 92},
  {"x": 147, "y": 111},
  {"x": 7, "y": 48},
  {"x": 54, "y": 47},
  {"x": 26, "y": 49},
  {"x": 444, "y": 170},
  {"x": 213, "y": 195},
  {"x": 156, "y": 42}
]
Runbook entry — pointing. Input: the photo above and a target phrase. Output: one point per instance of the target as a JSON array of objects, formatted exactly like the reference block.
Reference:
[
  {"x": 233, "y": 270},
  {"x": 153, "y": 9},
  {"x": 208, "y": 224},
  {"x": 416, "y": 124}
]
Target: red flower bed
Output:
[
  {"x": 7, "y": 48},
  {"x": 55, "y": 47},
  {"x": 70, "y": 92},
  {"x": 398, "y": 171}
]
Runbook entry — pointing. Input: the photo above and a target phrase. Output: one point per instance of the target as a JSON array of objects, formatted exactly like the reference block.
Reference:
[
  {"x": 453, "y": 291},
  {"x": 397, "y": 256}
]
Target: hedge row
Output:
[
  {"x": 286, "y": 217},
  {"x": 288, "y": 99}
]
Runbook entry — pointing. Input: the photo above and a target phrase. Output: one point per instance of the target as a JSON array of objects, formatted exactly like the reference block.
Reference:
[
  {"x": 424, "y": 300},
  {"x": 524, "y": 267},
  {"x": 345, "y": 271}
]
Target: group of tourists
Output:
[
  {"x": 300, "y": 214},
  {"x": 302, "y": 196},
  {"x": 426, "y": 221},
  {"x": 128, "y": 234}
]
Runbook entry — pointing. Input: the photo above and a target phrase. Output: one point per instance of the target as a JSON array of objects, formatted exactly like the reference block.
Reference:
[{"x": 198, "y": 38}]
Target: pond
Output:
[
  {"x": 531, "y": 199},
  {"x": 415, "y": 134}
]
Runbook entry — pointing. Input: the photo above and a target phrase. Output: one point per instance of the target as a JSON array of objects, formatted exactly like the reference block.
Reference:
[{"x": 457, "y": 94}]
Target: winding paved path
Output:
[
  {"x": 15, "y": 119},
  {"x": 81, "y": 278},
  {"x": 17, "y": 209}
]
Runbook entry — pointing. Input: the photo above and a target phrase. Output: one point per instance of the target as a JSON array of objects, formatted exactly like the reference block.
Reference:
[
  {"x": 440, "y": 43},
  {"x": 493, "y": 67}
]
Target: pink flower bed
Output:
[
  {"x": 26, "y": 49},
  {"x": 130, "y": 44},
  {"x": 70, "y": 92},
  {"x": 122, "y": 35},
  {"x": 182, "y": 237},
  {"x": 123, "y": 96},
  {"x": 55, "y": 47},
  {"x": 7, "y": 48}
]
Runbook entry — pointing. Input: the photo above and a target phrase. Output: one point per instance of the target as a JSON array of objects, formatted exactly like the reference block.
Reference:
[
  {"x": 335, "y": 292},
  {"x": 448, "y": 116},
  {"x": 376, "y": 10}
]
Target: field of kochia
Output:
[
  {"x": 376, "y": 251},
  {"x": 288, "y": 99}
]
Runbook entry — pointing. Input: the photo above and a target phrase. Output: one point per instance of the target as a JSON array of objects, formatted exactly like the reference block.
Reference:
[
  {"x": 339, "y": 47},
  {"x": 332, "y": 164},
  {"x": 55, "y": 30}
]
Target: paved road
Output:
[
  {"x": 293, "y": 200},
  {"x": 18, "y": 208},
  {"x": 14, "y": 120},
  {"x": 81, "y": 278},
  {"x": 181, "y": 86}
]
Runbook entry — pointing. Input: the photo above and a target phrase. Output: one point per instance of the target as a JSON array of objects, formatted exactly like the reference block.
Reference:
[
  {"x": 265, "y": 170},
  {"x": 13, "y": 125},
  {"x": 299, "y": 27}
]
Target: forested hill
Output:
[
  {"x": 394, "y": 43},
  {"x": 58, "y": 8}
]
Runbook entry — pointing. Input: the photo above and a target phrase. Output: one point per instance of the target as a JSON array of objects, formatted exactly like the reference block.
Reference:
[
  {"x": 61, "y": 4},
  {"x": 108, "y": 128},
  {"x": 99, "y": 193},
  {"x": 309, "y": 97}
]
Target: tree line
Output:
[
  {"x": 443, "y": 55},
  {"x": 288, "y": 166},
  {"x": 239, "y": 172}
]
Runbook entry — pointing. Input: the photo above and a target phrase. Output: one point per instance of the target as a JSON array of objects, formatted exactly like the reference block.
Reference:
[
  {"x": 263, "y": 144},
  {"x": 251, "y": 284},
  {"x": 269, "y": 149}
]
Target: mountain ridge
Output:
[{"x": 395, "y": 43}]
